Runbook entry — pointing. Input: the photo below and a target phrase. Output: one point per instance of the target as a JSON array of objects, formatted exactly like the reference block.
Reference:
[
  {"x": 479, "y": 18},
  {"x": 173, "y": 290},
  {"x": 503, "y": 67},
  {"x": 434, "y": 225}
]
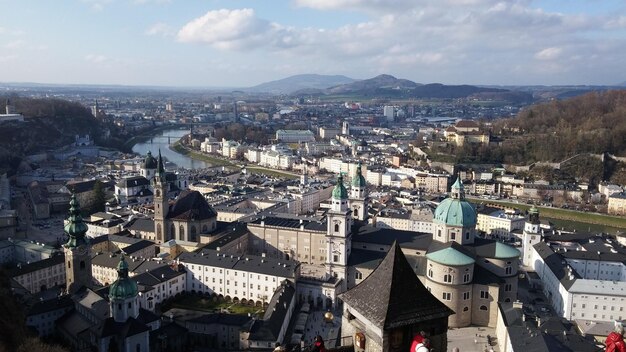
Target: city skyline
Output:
[{"x": 244, "y": 43}]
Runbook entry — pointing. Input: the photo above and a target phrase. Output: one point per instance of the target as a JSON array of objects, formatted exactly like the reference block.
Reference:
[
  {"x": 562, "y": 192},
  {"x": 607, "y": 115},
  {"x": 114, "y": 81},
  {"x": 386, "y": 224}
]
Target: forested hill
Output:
[
  {"x": 49, "y": 124},
  {"x": 591, "y": 123}
]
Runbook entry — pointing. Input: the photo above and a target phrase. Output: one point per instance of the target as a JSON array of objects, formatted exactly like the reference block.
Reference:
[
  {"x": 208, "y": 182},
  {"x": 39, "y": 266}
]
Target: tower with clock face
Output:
[
  {"x": 77, "y": 251},
  {"x": 161, "y": 205},
  {"x": 338, "y": 233}
]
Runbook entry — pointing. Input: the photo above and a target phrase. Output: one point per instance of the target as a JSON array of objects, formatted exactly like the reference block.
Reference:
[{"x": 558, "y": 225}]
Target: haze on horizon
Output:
[{"x": 238, "y": 43}]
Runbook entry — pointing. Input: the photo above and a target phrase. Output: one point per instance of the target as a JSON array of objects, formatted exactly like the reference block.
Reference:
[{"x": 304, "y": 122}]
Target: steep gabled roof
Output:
[
  {"x": 191, "y": 205},
  {"x": 392, "y": 296}
]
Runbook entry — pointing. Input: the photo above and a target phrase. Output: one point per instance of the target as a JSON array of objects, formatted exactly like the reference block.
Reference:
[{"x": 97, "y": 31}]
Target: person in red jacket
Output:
[
  {"x": 417, "y": 339},
  {"x": 615, "y": 341},
  {"x": 318, "y": 345}
]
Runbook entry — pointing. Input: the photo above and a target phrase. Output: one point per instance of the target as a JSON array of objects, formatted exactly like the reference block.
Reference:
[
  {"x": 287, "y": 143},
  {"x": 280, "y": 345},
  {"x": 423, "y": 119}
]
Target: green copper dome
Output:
[
  {"x": 340, "y": 191},
  {"x": 75, "y": 228},
  {"x": 504, "y": 251},
  {"x": 358, "y": 180},
  {"x": 123, "y": 288},
  {"x": 150, "y": 162},
  {"x": 450, "y": 256},
  {"x": 455, "y": 210}
]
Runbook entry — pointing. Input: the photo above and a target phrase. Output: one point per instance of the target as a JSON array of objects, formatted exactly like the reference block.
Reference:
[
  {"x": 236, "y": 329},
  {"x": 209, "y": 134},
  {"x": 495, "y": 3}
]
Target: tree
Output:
[{"x": 99, "y": 197}]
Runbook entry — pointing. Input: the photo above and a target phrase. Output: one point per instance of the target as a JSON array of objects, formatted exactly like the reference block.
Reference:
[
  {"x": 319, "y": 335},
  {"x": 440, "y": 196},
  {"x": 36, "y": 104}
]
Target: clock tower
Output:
[
  {"x": 338, "y": 233},
  {"x": 77, "y": 251},
  {"x": 161, "y": 204}
]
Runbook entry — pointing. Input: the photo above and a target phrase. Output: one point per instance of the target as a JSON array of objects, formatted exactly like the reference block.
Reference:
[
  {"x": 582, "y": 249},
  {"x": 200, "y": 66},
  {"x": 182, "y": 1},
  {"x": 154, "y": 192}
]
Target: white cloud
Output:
[
  {"x": 14, "y": 44},
  {"x": 226, "y": 29},
  {"x": 96, "y": 58},
  {"x": 160, "y": 29},
  {"x": 549, "y": 54},
  {"x": 469, "y": 41},
  {"x": 97, "y": 5}
]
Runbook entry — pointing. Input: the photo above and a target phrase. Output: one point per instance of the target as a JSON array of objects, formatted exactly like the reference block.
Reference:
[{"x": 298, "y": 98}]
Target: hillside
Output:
[
  {"x": 387, "y": 86},
  {"x": 298, "y": 82},
  {"x": 49, "y": 124}
]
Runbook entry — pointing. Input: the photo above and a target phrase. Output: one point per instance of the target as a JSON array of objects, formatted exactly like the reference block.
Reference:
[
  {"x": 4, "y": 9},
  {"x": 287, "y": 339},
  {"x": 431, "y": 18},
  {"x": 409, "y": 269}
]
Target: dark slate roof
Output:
[
  {"x": 227, "y": 235},
  {"x": 81, "y": 186},
  {"x": 365, "y": 259},
  {"x": 406, "y": 239},
  {"x": 251, "y": 263},
  {"x": 392, "y": 296},
  {"x": 556, "y": 264},
  {"x": 133, "y": 181},
  {"x": 274, "y": 316},
  {"x": 156, "y": 276},
  {"x": 285, "y": 222},
  {"x": 38, "y": 265},
  {"x": 137, "y": 246},
  {"x": 485, "y": 277},
  {"x": 130, "y": 327},
  {"x": 191, "y": 205},
  {"x": 62, "y": 302},
  {"x": 143, "y": 225}
]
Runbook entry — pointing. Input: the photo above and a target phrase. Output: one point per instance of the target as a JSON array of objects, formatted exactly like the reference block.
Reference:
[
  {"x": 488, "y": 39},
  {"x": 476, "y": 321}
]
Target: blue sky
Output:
[{"x": 241, "y": 43}]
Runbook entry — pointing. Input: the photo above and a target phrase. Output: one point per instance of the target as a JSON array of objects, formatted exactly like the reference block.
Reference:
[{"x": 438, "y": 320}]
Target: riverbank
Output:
[
  {"x": 575, "y": 220},
  {"x": 178, "y": 147}
]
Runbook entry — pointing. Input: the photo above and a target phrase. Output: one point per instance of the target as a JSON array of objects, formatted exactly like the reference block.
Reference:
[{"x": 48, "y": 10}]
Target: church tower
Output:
[
  {"x": 338, "y": 233},
  {"x": 77, "y": 251},
  {"x": 149, "y": 167},
  {"x": 455, "y": 218},
  {"x": 358, "y": 195},
  {"x": 161, "y": 204},
  {"x": 123, "y": 299},
  {"x": 531, "y": 235}
]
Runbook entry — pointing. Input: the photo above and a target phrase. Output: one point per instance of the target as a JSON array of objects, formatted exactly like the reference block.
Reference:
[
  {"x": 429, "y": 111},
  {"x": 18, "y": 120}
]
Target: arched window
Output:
[
  {"x": 192, "y": 233},
  {"x": 356, "y": 212},
  {"x": 204, "y": 228},
  {"x": 508, "y": 270},
  {"x": 172, "y": 231},
  {"x": 138, "y": 348},
  {"x": 467, "y": 234},
  {"x": 507, "y": 300},
  {"x": 158, "y": 231},
  {"x": 69, "y": 265},
  {"x": 82, "y": 264},
  {"x": 447, "y": 278},
  {"x": 181, "y": 233},
  {"x": 336, "y": 227},
  {"x": 483, "y": 307},
  {"x": 430, "y": 272}
]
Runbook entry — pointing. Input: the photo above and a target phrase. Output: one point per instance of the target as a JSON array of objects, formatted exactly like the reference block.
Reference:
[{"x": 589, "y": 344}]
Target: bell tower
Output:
[
  {"x": 531, "y": 235},
  {"x": 339, "y": 233},
  {"x": 77, "y": 251},
  {"x": 161, "y": 204},
  {"x": 123, "y": 292},
  {"x": 358, "y": 195}
]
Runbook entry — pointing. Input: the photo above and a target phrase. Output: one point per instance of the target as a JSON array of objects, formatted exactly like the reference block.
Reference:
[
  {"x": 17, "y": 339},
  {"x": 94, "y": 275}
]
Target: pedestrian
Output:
[
  {"x": 318, "y": 345},
  {"x": 615, "y": 341},
  {"x": 423, "y": 346},
  {"x": 417, "y": 339}
]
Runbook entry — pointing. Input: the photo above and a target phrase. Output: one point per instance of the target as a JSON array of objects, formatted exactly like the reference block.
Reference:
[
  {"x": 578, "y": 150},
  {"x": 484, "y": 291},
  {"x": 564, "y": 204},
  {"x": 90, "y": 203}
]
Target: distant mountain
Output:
[
  {"x": 299, "y": 82},
  {"x": 373, "y": 84},
  {"x": 387, "y": 86}
]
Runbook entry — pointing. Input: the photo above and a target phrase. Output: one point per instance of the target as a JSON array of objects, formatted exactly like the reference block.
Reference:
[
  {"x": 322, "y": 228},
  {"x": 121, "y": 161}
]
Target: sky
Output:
[{"x": 240, "y": 43}]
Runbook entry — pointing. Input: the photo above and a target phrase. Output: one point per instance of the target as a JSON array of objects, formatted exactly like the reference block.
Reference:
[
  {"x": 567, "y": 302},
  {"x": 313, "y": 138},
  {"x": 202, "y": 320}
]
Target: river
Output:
[{"x": 162, "y": 141}]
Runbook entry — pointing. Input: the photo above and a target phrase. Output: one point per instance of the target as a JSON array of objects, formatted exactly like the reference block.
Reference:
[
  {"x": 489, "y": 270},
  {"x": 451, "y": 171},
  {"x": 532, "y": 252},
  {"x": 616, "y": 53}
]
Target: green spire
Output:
[
  {"x": 75, "y": 228},
  {"x": 358, "y": 180},
  {"x": 123, "y": 287},
  {"x": 457, "y": 191},
  {"x": 340, "y": 191}
]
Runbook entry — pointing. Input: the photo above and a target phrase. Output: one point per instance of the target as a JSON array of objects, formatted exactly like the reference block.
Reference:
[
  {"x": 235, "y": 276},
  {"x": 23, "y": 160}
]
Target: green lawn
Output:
[
  {"x": 569, "y": 216},
  {"x": 201, "y": 303},
  {"x": 213, "y": 160},
  {"x": 270, "y": 172}
]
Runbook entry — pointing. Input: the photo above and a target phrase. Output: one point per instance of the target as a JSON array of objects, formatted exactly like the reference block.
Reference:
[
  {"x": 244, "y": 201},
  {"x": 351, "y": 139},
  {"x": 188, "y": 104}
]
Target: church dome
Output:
[
  {"x": 123, "y": 288},
  {"x": 150, "y": 162},
  {"x": 358, "y": 180},
  {"x": 455, "y": 210},
  {"x": 340, "y": 191}
]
